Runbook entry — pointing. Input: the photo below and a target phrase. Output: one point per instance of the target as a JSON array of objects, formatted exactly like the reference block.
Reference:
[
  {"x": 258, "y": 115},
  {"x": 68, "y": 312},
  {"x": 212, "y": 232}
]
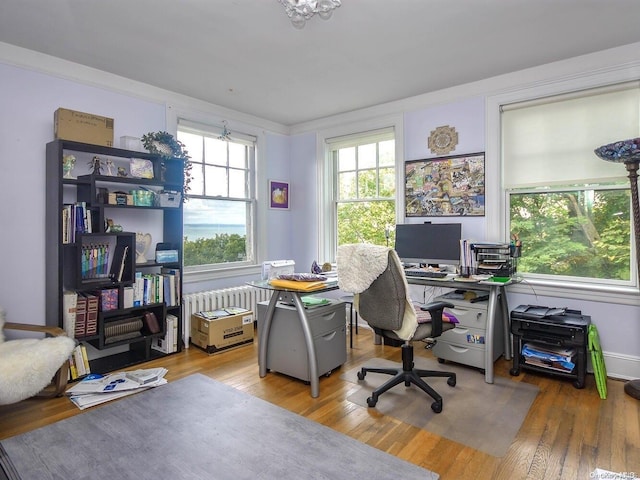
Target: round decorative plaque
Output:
[{"x": 443, "y": 140}]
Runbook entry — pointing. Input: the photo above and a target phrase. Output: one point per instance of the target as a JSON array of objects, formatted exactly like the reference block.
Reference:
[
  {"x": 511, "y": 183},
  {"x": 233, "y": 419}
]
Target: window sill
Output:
[
  {"x": 220, "y": 273},
  {"x": 622, "y": 295}
]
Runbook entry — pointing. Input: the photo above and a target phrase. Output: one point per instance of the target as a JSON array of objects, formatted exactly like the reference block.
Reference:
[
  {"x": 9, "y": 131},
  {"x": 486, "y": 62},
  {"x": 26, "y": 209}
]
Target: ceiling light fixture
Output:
[
  {"x": 226, "y": 133},
  {"x": 299, "y": 11}
]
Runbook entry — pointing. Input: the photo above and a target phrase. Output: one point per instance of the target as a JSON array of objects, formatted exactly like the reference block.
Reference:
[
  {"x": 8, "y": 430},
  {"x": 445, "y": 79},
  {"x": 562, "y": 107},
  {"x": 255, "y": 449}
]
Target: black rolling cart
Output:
[{"x": 550, "y": 327}]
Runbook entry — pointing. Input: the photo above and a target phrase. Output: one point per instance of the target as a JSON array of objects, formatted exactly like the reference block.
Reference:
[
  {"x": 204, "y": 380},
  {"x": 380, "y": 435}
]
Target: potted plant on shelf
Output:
[{"x": 168, "y": 147}]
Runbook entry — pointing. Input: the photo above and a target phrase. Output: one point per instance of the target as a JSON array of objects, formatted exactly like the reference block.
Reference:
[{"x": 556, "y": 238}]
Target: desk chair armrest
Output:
[{"x": 435, "y": 309}]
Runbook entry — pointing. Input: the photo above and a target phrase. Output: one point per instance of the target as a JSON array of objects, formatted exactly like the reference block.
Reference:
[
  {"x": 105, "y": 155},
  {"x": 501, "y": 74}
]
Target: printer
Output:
[{"x": 273, "y": 268}]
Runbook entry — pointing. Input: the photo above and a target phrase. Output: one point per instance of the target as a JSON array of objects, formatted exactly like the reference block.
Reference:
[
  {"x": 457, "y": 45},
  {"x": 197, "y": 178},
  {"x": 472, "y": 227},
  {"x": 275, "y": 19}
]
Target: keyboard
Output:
[{"x": 424, "y": 273}]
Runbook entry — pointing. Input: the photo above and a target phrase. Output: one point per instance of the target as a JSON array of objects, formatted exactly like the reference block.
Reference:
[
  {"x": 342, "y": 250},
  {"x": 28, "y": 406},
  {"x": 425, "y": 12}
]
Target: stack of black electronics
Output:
[{"x": 550, "y": 330}]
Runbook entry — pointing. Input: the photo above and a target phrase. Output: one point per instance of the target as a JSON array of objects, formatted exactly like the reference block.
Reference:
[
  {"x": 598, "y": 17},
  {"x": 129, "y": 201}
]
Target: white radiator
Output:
[{"x": 244, "y": 296}]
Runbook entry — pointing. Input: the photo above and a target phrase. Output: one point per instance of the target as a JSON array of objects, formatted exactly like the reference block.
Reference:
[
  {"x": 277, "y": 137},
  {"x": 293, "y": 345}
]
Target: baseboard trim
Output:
[{"x": 622, "y": 367}]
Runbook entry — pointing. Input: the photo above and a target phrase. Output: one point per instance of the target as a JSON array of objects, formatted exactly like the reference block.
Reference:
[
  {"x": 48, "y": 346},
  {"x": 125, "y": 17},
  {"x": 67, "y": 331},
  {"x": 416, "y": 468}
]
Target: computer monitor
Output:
[{"x": 429, "y": 243}]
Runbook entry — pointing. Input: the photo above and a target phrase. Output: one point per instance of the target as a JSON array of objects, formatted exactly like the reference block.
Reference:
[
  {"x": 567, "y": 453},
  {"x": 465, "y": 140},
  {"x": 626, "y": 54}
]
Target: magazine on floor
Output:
[{"x": 95, "y": 389}]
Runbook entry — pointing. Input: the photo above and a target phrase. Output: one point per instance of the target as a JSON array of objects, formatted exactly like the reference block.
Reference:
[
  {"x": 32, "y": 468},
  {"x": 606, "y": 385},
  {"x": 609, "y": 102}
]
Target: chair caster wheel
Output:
[
  {"x": 451, "y": 381},
  {"x": 361, "y": 374},
  {"x": 578, "y": 384},
  {"x": 372, "y": 401},
  {"x": 514, "y": 372},
  {"x": 441, "y": 360},
  {"x": 436, "y": 406}
]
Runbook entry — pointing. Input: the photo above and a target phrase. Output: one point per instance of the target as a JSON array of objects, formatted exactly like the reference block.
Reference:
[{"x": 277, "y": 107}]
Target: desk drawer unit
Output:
[
  {"x": 466, "y": 343},
  {"x": 287, "y": 351}
]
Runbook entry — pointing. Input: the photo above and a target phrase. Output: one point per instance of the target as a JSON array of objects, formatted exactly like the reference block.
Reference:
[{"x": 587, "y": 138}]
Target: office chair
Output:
[{"x": 376, "y": 275}]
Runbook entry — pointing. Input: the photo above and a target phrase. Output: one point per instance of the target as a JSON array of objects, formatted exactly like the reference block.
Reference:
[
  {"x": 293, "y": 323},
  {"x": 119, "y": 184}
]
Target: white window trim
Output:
[
  {"x": 214, "y": 120},
  {"x": 327, "y": 236},
  {"x": 496, "y": 196}
]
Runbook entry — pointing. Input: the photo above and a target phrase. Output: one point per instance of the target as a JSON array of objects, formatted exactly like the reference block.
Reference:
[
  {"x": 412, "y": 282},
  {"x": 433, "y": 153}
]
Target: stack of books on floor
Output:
[{"x": 96, "y": 389}]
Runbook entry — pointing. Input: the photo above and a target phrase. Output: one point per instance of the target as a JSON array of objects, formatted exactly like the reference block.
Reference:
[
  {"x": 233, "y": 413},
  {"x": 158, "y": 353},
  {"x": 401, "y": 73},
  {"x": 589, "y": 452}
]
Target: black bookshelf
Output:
[{"x": 67, "y": 266}]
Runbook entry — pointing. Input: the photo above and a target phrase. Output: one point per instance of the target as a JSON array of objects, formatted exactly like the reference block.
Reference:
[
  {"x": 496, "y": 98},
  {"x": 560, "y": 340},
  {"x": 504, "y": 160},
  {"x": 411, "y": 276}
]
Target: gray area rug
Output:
[
  {"x": 483, "y": 416},
  {"x": 197, "y": 428}
]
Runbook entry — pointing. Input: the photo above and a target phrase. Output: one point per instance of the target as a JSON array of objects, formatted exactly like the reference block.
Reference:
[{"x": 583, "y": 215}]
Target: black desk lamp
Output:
[{"x": 628, "y": 152}]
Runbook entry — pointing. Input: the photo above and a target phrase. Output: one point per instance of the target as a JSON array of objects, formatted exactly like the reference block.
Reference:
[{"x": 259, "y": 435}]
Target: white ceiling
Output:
[{"x": 246, "y": 56}]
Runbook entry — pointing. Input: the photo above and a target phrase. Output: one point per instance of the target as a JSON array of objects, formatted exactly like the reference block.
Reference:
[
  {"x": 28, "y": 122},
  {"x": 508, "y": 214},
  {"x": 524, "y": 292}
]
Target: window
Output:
[
  {"x": 219, "y": 213},
  {"x": 365, "y": 187},
  {"x": 571, "y": 210}
]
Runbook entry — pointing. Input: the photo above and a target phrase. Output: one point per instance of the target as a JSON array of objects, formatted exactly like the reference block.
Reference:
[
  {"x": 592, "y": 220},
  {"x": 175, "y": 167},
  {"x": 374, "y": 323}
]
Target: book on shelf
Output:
[
  {"x": 69, "y": 311},
  {"x": 168, "y": 343},
  {"x": 174, "y": 330},
  {"x": 109, "y": 299},
  {"x": 81, "y": 316},
  {"x": 92, "y": 313},
  {"x": 94, "y": 259},
  {"x": 159, "y": 290},
  {"x": 76, "y": 218},
  {"x": 175, "y": 272},
  {"x": 138, "y": 288},
  {"x": 169, "y": 289},
  {"x": 73, "y": 370},
  {"x": 85, "y": 358},
  {"x": 119, "y": 262},
  {"x": 79, "y": 362},
  {"x": 127, "y": 297}
]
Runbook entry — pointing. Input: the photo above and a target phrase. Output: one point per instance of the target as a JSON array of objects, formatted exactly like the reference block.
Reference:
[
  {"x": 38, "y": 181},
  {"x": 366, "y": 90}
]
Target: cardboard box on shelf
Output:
[
  {"x": 221, "y": 333},
  {"x": 119, "y": 198},
  {"x": 83, "y": 127}
]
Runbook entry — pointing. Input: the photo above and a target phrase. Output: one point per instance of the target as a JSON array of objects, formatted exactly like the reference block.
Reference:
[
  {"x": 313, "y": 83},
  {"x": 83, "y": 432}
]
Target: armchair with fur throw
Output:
[{"x": 33, "y": 366}]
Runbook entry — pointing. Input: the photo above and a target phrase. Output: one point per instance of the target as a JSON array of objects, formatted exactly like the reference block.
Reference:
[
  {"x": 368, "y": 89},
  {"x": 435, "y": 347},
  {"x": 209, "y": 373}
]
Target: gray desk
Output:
[
  {"x": 497, "y": 299},
  {"x": 293, "y": 297}
]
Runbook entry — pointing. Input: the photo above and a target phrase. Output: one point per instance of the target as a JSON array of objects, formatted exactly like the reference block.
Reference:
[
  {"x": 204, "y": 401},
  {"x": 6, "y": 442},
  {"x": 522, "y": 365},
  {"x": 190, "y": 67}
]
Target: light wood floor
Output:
[{"x": 566, "y": 435}]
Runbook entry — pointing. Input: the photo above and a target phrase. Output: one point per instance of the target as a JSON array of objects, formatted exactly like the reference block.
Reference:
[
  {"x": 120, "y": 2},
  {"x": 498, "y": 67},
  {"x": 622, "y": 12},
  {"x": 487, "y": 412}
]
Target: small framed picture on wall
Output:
[{"x": 279, "y": 195}]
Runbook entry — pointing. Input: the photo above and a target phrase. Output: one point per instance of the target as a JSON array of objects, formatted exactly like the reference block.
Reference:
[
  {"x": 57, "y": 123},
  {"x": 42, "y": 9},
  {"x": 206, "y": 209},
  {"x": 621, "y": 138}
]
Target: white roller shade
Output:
[
  {"x": 373, "y": 136},
  {"x": 551, "y": 141}
]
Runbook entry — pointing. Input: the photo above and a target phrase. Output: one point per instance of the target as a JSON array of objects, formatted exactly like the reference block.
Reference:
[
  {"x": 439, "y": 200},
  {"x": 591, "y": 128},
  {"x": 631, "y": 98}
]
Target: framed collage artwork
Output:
[
  {"x": 445, "y": 186},
  {"x": 279, "y": 195}
]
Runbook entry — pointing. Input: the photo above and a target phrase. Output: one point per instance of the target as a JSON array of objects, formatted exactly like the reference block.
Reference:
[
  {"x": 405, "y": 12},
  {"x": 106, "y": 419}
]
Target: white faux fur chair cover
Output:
[
  {"x": 359, "y": 264},
  {"x": 28, "y": 365}
]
